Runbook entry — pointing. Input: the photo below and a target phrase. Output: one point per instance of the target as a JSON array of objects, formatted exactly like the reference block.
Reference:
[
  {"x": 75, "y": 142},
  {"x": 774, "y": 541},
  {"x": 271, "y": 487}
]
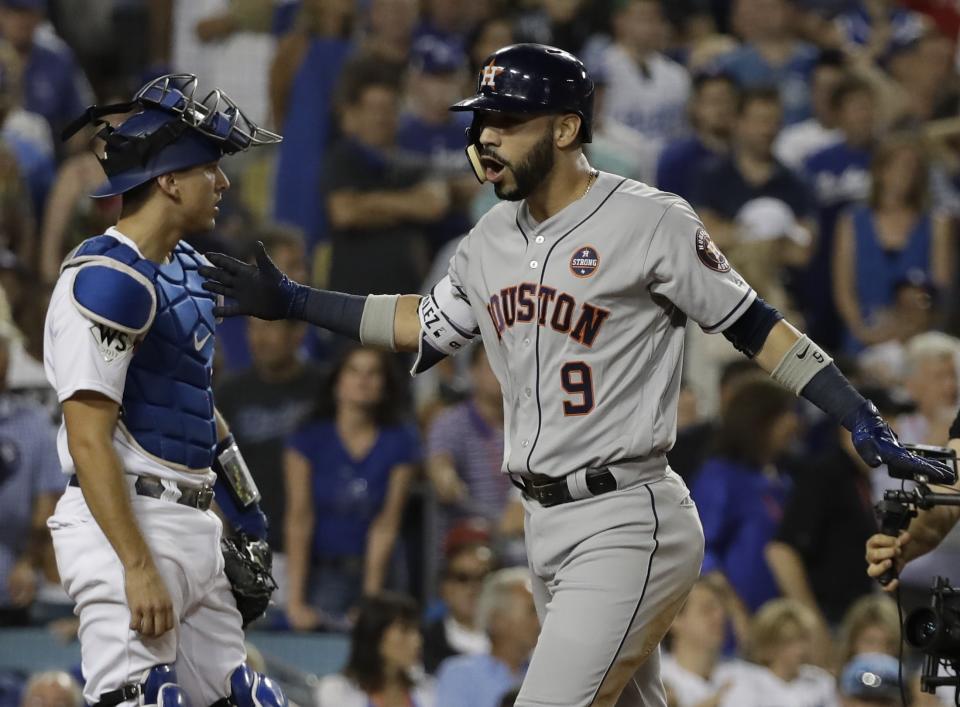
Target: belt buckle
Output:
[{"x": 204, "y": 497}]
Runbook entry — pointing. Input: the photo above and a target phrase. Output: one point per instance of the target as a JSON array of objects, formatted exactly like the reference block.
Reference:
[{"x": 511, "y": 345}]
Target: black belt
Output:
[
  {"x": 198, "y": 497},
  {"x": 549, "y": 491}
]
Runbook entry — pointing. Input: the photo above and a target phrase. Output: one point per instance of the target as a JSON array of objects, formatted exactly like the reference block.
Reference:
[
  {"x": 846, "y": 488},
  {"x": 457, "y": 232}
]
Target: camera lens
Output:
[{"x": 921, "y": 627}]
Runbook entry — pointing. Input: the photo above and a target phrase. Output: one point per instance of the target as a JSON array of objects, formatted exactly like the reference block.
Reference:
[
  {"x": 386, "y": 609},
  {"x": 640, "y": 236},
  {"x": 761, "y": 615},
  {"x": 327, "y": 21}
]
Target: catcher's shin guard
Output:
[
  {"x": 158, "y": 688},
  {"x": 248, "y": 688}
]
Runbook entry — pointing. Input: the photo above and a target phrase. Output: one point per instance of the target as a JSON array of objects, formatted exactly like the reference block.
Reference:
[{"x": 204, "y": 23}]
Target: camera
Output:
[{"x": 934, "y": 629}]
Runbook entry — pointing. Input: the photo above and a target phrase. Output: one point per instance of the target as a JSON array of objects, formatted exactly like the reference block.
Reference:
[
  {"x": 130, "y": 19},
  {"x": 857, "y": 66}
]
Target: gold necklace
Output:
[{"x": 590, "y": 181}]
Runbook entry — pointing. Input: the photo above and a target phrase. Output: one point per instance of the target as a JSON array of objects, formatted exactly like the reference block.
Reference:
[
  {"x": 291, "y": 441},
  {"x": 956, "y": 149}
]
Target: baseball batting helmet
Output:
[
  {"x": 529, "y": 78},
  {"x": 171, "y": 131}
]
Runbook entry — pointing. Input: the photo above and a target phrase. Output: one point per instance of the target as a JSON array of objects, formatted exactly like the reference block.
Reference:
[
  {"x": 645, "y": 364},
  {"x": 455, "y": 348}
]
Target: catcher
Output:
[{"x": 128, "y": 346}]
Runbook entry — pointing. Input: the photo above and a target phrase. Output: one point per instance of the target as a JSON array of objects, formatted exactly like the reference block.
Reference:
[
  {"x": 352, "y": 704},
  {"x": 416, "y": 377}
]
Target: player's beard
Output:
[{"x": 531, "y": 172}]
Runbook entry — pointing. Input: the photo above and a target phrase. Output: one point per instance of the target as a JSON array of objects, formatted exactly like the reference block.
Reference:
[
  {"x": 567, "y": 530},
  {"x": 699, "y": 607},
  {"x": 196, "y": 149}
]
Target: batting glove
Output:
[
  {"x": 877, "y": 444},
  {"x": 260, "y": 291}
]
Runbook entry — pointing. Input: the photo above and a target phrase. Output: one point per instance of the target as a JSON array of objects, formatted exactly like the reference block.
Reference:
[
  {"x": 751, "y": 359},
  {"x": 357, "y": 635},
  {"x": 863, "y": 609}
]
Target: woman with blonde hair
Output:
[
  {"x": 871, "y": 625},
  {"x": 781, "y": 647}
]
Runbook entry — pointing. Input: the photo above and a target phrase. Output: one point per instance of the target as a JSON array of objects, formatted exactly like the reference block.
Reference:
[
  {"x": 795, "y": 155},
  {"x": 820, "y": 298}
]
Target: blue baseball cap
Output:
[
  {"x": 871, "y": 676},
  {"x": 431, "y": 55}
]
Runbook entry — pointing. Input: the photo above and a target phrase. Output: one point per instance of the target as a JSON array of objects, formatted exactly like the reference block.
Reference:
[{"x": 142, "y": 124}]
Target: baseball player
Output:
[
  {"x": 128, "y": 346},
  {"x": 579, "y": 285}
]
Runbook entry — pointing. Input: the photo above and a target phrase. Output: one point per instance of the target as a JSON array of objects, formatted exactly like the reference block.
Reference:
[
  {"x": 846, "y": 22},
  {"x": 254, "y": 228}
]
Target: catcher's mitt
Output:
[{"x": 247, "y": 563}]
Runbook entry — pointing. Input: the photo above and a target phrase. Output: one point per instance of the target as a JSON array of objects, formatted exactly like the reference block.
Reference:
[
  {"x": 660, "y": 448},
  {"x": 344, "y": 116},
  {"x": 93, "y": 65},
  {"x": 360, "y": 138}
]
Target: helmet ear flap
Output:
[{"x": 473, "y": 150}]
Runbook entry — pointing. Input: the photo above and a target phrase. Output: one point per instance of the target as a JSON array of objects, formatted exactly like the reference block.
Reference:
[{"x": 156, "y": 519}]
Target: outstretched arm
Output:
[
  {"x": 796, "y": 362},
  {"x": 386, "y": 321}
]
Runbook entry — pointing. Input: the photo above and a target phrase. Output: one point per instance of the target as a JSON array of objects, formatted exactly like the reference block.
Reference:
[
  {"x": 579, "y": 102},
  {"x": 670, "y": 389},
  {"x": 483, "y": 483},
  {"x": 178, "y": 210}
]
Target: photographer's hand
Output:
[{"x": 884, "y": 552}]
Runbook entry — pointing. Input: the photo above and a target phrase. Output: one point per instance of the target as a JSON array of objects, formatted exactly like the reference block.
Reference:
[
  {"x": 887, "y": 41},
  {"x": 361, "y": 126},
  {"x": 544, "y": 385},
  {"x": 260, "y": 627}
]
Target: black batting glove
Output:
[{"x": 259, "y": 290}]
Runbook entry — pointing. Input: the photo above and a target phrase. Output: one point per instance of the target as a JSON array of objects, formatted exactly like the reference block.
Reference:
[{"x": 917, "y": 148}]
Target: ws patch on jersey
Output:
[
  {"x": 709, "y": 254},
  {"x": 584, "y": 261},
  {"x": 111, "y": 344}
]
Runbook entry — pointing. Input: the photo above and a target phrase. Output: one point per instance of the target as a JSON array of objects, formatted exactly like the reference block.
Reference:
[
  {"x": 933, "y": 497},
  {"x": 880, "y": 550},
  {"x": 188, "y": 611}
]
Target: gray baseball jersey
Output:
[{"x": 582, "y": 317}]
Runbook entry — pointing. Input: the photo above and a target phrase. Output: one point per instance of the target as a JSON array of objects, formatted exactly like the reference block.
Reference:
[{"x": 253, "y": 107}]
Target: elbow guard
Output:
[{"x": 750, "y": 331}]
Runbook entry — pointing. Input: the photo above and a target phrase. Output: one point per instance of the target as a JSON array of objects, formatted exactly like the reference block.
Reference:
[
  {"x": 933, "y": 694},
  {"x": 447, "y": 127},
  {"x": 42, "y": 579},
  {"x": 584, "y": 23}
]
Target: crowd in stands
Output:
[{"x": 818, "y": 140}]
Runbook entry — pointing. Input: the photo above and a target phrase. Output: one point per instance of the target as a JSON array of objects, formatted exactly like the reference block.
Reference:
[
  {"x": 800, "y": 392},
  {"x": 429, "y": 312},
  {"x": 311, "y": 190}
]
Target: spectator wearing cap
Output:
[
  {"x": 870, "y": 680},
  {"x": 506, "y": 612},
  {"x": 893, "y": 237},
  {"x": 30, "y": 484},
  {"x": 771, "y": 55},
  {"x": 53, "y": 82},
  {"x": 380, "y": 207},
  {"x": 465, "y": 568},
  {"x": 712, "y": 111},
  {"x": 430, "y": 133},
  {"x": 756, "y": 209},
  {"x": 646, "y": 90},
  {"x": 444, "y": 21},
  {"x": 816, "y": 554},
  {"x": 798, "y": 141}
]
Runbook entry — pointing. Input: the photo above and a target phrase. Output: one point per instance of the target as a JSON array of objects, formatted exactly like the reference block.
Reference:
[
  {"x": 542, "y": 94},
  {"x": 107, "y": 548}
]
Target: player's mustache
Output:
[{"x": 486, "y": 152}]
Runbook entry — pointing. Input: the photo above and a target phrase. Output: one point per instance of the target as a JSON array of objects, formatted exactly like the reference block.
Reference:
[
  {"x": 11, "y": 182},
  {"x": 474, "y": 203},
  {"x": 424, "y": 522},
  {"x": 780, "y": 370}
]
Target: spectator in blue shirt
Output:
[
  {"x": 507, "y": 612},
  {"x": 30, "y": 484},
  {"x": 432, "y": 134},
  {"x": 876, "y": 24},
  {"x": 713, "y": 110},
  {"x": 893, "y": 238},
  {"x": 771, "y": 55},
  {"x": 53, "y": 82},
  {"x": 347, "y": 479},
  {"x": 740, "y": 493}
]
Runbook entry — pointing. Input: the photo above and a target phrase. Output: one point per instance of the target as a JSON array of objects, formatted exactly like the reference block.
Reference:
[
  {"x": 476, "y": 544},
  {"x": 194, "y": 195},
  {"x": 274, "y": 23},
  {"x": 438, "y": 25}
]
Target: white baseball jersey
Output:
[
  {"x": 583, "y": 316},
  {"x": 80, "y": 354}
]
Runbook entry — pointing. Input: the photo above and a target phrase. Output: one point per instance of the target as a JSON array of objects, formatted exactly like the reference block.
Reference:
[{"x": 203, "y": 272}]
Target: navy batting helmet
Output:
[
  {"x": 530, "y": 78},
  {"x": 171, "y": 131}
]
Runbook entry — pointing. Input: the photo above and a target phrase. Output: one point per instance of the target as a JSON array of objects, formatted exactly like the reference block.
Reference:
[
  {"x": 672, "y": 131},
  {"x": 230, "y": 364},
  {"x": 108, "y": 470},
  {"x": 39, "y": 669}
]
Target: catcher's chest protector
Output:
[{"x": 167, "y": 401}]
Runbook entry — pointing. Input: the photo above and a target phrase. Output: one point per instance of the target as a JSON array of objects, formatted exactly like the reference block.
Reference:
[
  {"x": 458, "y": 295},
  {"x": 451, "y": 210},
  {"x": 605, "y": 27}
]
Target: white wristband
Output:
[
  {"x": 377, "y": 321},
  {"x": 802, "y": 362}
]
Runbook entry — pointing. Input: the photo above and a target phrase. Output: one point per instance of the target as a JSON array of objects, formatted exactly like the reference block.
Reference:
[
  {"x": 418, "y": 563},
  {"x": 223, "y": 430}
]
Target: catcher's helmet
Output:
[
  {"x": 530, "y": 78},
  {"x": 171, "y": 131}
]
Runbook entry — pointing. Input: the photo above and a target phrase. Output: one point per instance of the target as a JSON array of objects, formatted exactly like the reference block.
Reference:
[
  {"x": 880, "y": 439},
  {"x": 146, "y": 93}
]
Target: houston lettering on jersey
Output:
[{"x": 558, "y": 310}]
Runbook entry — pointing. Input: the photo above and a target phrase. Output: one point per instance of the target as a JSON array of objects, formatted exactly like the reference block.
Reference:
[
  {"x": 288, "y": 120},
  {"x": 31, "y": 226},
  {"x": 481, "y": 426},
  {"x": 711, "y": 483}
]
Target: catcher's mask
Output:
[{"x": 172, "y": 130}]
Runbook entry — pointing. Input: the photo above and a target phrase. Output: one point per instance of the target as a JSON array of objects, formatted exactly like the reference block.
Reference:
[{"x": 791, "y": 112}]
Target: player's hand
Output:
[
  {"x": 151, "y": 609},
  {"x": 22, "y": 583},
  {"x": 884, "y": 552},
  {"x": 877, "y": 444},
  {"x": 259, "y": 290},
  {"x": 303, "y": 617}
]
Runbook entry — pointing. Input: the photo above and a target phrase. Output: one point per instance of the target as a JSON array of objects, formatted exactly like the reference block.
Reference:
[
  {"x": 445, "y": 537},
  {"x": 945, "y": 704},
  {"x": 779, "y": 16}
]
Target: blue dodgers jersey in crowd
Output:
[
  {"x": 348, "y": 493},
  {"x": 740, "y": 508},
  {"x": 167, "y": 402}
]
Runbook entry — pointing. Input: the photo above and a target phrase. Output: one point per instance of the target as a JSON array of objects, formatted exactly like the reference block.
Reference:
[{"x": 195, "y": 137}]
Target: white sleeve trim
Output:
[{"x": 91, "y": 385}]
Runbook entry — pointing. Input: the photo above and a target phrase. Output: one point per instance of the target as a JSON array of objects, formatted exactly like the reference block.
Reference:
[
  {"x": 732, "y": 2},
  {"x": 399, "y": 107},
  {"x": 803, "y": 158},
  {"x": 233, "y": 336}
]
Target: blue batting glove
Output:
[{"x": 877, "y": 444}]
